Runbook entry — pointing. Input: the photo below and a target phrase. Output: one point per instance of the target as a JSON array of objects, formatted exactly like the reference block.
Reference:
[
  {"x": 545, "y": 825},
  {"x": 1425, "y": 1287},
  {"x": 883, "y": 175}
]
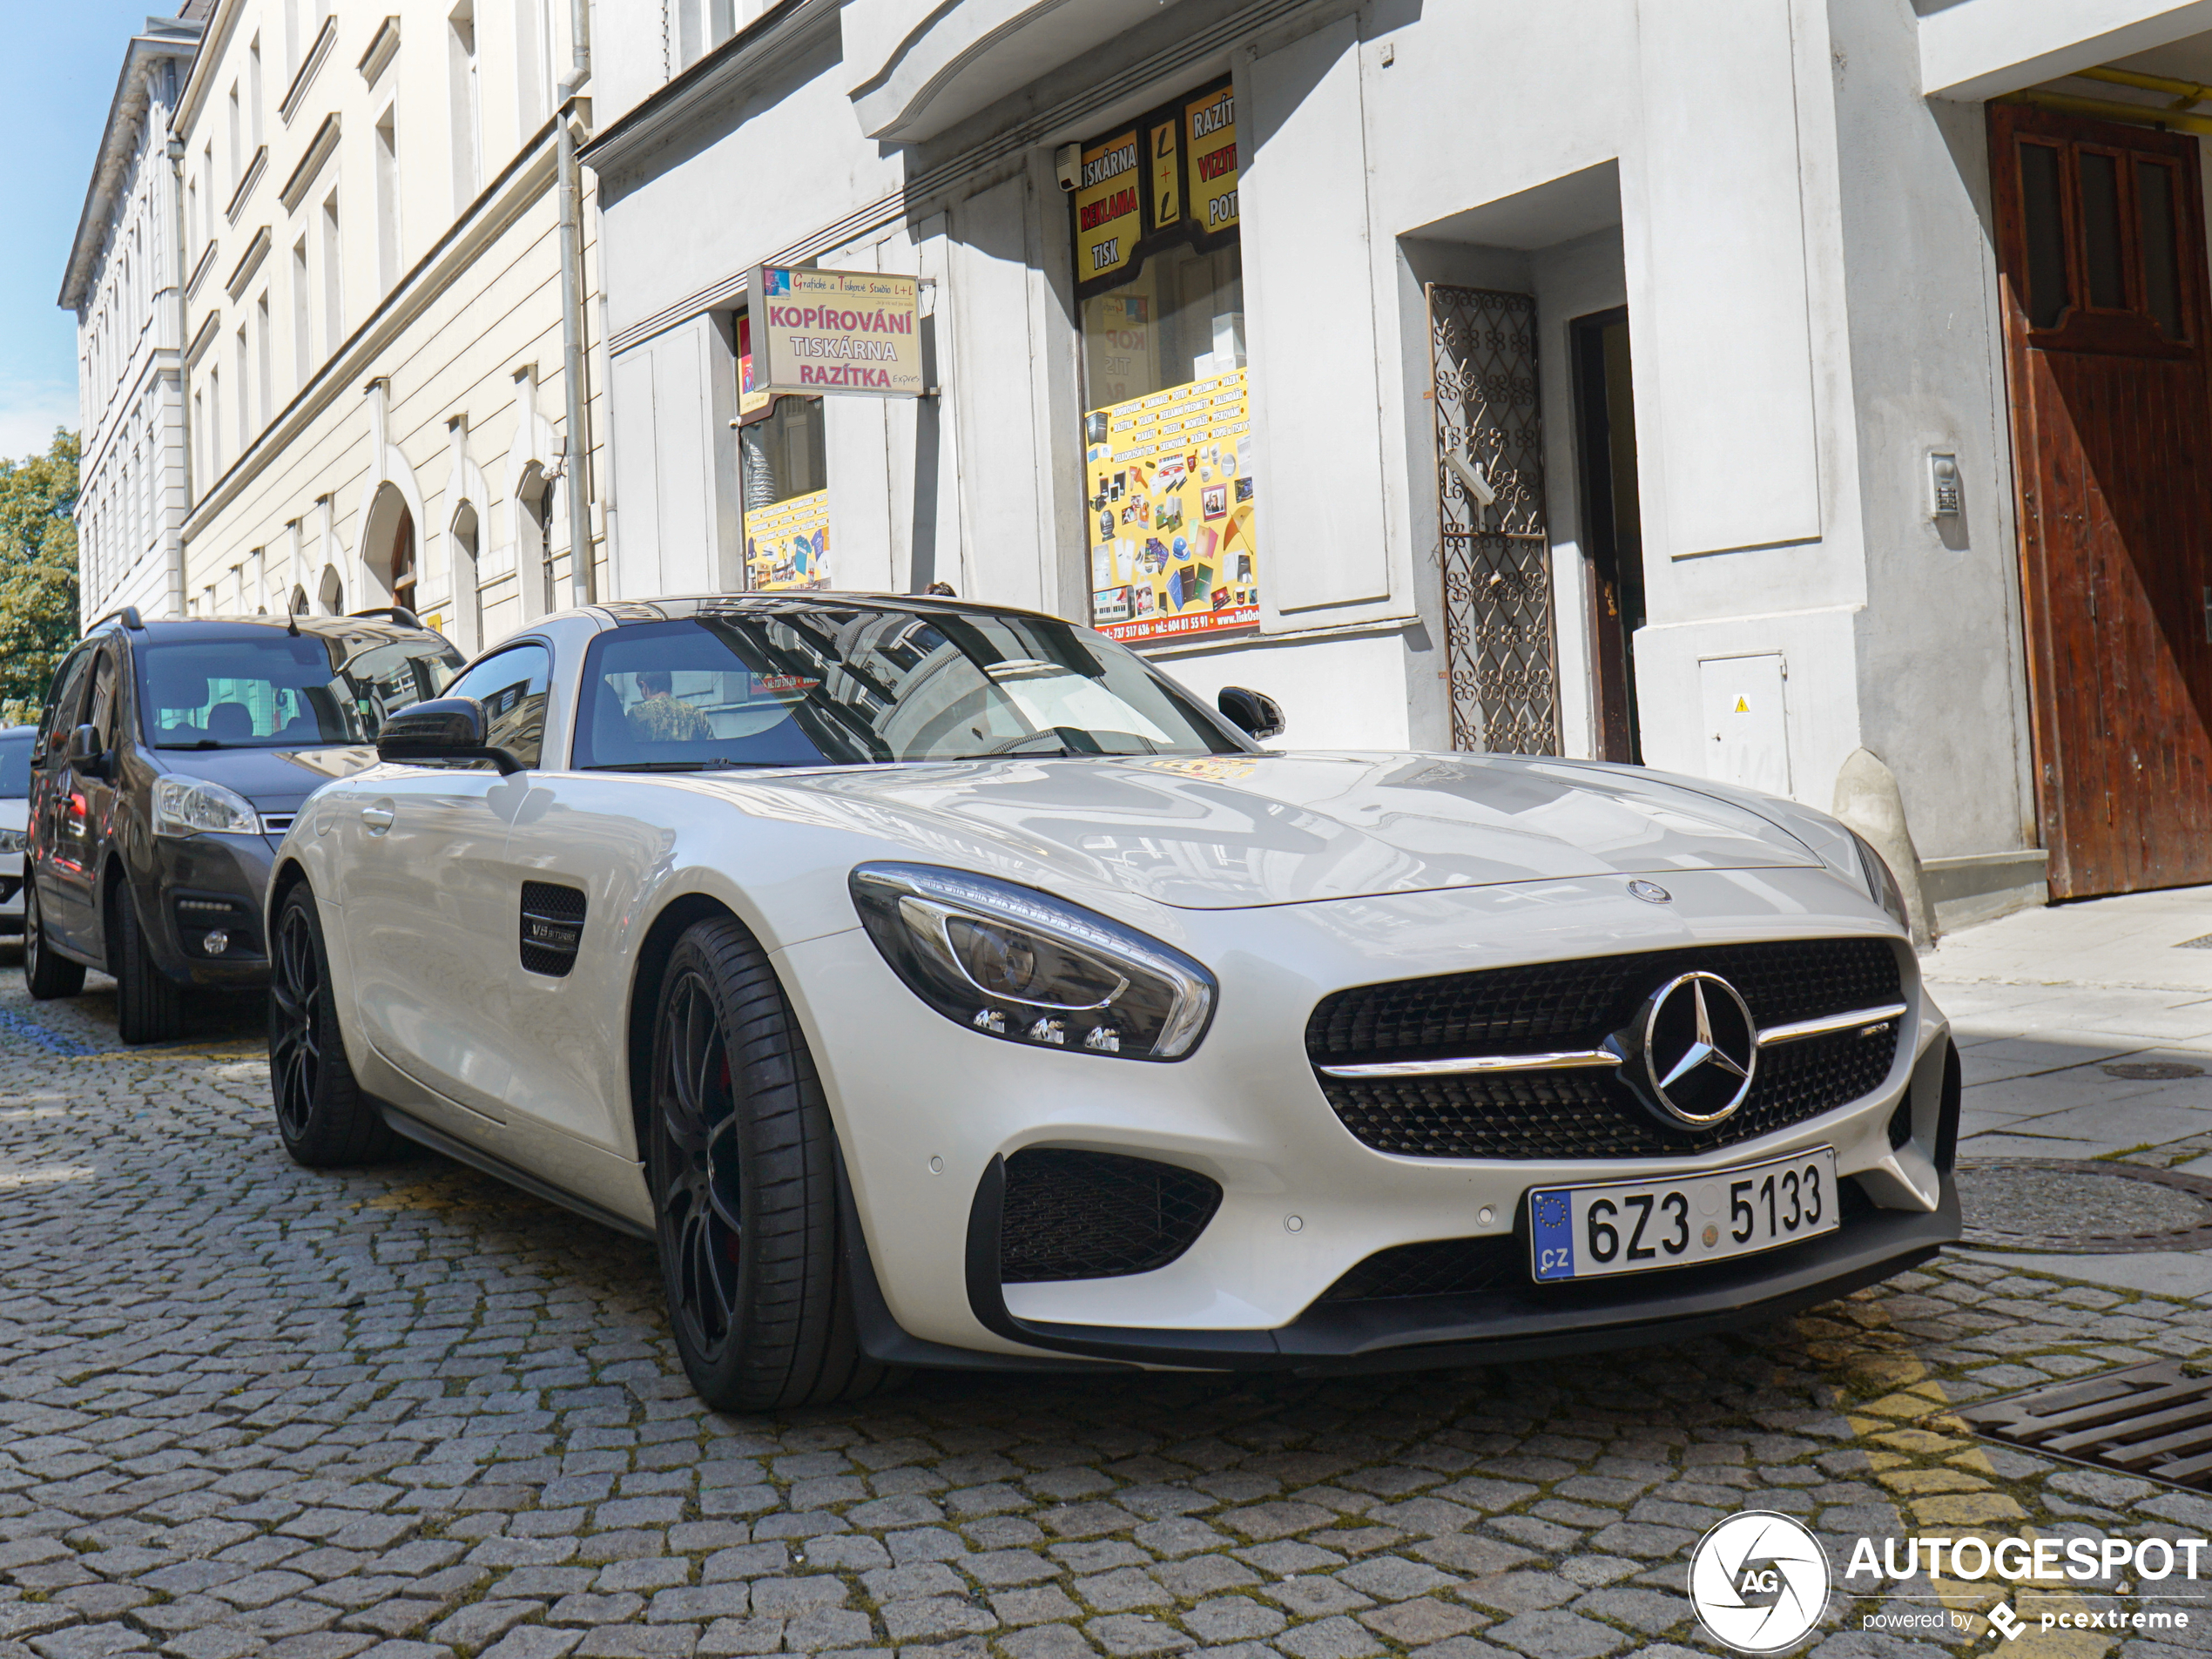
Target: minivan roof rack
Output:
[
  {"x": 400, "y": 614},
  {"x": 128, "y": 617}
]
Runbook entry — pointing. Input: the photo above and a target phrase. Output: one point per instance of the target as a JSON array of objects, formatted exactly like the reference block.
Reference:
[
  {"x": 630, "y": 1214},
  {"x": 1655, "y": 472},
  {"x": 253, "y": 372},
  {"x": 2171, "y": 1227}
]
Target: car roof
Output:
[
  {"x": 357, "y": 629},
  {"x": 7, "y": 731},
  {"x": 623, "y": 612}
]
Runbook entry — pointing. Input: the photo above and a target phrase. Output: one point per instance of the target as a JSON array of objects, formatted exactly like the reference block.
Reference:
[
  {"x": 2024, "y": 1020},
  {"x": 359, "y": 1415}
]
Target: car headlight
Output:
[
  {"x": 1881, "y": 881},
  {"x": 14, "y": 840},
  {"x": 1020, "y": 965},
  {"x": 193, "y": 806}
]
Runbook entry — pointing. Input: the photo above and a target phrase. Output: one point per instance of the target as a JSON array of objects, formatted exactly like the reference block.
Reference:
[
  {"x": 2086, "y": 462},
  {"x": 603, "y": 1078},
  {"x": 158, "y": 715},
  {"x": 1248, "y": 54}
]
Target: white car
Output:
[
  {"x": 14, "y": 808},
  {"x": 940, "y": 984}
]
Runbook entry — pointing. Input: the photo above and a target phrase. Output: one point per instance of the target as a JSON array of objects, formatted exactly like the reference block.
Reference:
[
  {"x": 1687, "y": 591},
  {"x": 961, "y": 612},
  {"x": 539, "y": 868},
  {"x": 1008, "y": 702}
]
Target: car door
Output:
[
  {"x": 56, "y": 816},
  {"x": 88, "y": 811},
  {"x": 428, "y": 912}
]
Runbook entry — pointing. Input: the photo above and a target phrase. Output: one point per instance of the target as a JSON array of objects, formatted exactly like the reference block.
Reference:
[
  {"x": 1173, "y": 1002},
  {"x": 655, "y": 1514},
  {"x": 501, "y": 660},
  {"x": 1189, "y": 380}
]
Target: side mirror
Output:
[
  {"x": 1254, "y": 713},
  {"x": 440, "y": 728},
  {"x": 84, "y": 752}
]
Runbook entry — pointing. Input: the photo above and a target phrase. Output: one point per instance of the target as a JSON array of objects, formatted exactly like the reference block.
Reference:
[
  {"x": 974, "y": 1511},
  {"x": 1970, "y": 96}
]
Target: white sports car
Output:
[{"x": 939, "y": 984}]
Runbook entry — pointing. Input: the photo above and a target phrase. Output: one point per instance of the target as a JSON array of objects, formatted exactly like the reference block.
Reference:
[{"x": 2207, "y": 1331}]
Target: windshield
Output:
[
  {"x": 15, "y": 767},
  {"x": 283, "y": 691},
  {"x": 806, "y": 685}
]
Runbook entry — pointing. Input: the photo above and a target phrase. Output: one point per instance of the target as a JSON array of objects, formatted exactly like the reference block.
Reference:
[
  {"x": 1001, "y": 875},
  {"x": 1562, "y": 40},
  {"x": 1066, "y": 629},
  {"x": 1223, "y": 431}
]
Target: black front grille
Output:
[
  {"x": 552, "y": 928},
  {"x": 1578, "y": 1004},
  {"x": 1593, "y": 1113},
  {"x": 1070, "y": 1214}
]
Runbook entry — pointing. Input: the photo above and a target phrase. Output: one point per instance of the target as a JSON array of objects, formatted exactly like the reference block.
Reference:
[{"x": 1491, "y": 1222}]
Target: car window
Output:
[
  {"x": 100, "y": 711},
  {"x": 276, "y": 690},
  {"x": 61, "y": 701},
  {"x": 816, "y": 683},
  {"x": 14, "y": 767},
  {"x": 512, "y": 688}
]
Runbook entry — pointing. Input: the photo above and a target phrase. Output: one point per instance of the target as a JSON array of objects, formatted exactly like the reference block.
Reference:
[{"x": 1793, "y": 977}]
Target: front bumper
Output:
[
  {"x": 925, "y": 1111},
  {"x": 203, "y": 884}
]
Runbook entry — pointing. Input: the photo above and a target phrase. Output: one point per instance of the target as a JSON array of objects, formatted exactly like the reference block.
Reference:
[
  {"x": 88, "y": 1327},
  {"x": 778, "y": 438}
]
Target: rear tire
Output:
[
  {"x": 149, "y": 1006},
  {"x": 742, "y": 1158},
  {"x": 46, "y": 975},
  {"x": 321, "y": 1114}
]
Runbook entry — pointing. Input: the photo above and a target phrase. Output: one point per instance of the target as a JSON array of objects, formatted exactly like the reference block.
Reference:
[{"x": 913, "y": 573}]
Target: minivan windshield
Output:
[
  {"x": 283, "y": 691},
  {"x": 805, "y": 684}
]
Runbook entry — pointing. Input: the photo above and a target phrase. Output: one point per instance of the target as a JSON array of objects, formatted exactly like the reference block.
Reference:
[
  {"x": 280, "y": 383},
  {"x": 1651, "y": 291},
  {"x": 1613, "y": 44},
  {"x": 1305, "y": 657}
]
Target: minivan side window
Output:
[
  {"x": 100, "y": 711},
  {"x": 61, "y": 701},
  {"x": 512, "y": 688}
]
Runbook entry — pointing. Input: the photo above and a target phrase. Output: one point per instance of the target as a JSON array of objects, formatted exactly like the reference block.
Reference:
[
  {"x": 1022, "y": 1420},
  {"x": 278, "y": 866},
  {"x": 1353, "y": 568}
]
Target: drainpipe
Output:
[
  {"x": 567, "y": 183},
  {"x": 184, "y": 393}
]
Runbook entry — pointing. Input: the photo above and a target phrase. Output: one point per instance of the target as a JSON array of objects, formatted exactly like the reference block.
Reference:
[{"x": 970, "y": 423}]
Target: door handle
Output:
[{"x": 378, "y": 819}]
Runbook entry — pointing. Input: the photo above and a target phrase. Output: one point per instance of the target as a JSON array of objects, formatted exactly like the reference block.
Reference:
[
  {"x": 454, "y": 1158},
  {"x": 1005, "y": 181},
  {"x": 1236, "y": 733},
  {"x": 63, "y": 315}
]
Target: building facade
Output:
[
  {"x": 1657, "y": 383},
  {"x": 122, "y": 284},
  {"x": 378, "y": 352}
]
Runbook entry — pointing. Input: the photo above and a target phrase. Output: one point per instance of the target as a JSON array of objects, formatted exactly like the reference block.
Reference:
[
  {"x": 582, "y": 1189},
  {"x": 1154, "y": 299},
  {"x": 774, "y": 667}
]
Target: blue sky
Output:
[{"x": 56, "y": 80}]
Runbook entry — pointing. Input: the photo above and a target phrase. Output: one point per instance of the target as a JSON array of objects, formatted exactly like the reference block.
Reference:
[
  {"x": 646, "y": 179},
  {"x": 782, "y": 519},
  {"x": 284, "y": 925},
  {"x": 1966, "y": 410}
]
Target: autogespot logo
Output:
[{"x": 1759, "y": 1581}]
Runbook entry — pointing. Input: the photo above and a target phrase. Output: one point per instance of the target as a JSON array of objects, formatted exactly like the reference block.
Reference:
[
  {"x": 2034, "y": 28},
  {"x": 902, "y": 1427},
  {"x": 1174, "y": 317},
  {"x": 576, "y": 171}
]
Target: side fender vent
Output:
[
  {"x": 552, "y": 928},
  {"x": 1071, "y": 1214}
]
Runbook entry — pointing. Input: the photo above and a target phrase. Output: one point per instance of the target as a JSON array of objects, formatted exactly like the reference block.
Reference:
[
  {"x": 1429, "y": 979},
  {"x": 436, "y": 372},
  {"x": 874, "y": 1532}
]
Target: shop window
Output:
[
  {"x": 785, "y": 484},
  {"x": 1170, "y": 505}
]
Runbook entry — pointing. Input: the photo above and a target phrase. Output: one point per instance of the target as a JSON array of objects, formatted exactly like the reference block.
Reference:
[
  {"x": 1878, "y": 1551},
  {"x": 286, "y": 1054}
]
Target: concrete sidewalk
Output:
[{"x": 2042, "y": 1002}]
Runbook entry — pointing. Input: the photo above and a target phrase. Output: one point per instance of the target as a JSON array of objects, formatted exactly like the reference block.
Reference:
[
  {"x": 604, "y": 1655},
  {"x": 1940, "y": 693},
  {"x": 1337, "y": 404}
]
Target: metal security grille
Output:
[
  {"x": 1498, "y": 636},
  {"x": 2153, "y": 1420}
]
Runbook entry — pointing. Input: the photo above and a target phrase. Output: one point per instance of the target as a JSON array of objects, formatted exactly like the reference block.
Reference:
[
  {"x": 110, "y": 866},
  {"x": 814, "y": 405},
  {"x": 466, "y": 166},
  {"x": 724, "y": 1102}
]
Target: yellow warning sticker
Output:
[{"x": 1741, "y": 707}]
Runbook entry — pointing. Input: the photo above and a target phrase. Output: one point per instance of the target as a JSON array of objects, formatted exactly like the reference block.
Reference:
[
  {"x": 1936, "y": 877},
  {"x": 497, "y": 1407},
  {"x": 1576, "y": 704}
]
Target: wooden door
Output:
[{"x": 2102, "y": 267}]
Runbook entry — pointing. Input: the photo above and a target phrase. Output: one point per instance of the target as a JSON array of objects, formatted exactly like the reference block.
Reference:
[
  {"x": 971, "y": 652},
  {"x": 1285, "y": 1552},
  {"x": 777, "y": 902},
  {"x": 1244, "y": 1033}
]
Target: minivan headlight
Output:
[
  {"x": 1024, "y": 967},
  {"x": 194, "y": 806}
]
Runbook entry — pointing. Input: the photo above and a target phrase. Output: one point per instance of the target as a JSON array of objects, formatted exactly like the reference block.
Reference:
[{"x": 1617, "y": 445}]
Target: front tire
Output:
[
  {"x": 321, "y": 1114},
  {"x": 742, "y": 1158},
  {"x": 148, "y": 1005},
  {"x": 45, "y": 974}
]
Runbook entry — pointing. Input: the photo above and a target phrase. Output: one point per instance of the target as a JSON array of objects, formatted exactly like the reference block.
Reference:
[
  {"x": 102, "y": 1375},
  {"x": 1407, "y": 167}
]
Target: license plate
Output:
[{"x": 1634, "y": 1226}]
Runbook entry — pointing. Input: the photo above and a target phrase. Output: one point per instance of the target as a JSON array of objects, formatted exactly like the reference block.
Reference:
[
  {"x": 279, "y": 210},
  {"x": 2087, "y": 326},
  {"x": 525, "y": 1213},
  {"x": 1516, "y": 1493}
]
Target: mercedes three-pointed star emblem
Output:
[{"x": 1699, "y": 1047}]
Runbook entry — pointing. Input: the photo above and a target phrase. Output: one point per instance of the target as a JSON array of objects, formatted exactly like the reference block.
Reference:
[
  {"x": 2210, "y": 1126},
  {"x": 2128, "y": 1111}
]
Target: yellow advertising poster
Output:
[
  {"x": 786, "y": 545},
  {"x": 1211, "y": 120},
  {"x": 1108, "y": 207},
  {"x": 1171, "y": 508},
  {"x": 1166, "y": 159}
]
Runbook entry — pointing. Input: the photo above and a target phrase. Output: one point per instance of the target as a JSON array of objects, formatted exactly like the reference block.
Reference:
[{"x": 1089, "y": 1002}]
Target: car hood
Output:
[
  {"x": 275, "y": 780},
  {"x": 1231, "y": 831}
]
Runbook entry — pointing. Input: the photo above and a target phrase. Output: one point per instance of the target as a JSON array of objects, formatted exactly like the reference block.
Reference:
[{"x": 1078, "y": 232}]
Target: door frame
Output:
[{"x": 2080, "y": 326}]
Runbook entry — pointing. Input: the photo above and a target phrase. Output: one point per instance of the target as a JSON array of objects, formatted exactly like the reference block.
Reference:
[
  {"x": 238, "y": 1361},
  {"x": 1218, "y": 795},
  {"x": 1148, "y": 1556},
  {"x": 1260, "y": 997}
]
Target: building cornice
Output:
[
  {"x": 248, "y": 263},
  {"x": 251, "y": 178},
  {"x": 214, "y": 40},
  {"x": 127, "y": 111},
  {"x": 296, "y": 94},
  {"x": 320, "y": 150}
]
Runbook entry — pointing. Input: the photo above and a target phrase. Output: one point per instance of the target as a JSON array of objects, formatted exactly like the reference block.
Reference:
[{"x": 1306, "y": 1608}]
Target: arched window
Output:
[{"x": 403, "y": 561}]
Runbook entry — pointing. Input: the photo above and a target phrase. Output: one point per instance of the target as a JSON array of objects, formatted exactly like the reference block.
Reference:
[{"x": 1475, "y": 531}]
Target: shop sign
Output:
[
  {"x": 1171, "y": 508},
  {"x": 1211, "y": 121},
  {"x": 819, "y": 333},
  {"x": 1109, "y": 212}
]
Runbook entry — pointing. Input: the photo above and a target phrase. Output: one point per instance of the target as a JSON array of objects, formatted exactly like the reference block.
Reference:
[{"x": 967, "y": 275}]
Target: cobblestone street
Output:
[{"x": 406, "y": 1412}]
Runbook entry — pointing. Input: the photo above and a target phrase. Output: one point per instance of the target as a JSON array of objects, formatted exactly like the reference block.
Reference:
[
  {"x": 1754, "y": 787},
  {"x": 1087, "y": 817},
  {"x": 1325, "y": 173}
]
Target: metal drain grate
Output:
[{"x": 2153, "y": 1420}]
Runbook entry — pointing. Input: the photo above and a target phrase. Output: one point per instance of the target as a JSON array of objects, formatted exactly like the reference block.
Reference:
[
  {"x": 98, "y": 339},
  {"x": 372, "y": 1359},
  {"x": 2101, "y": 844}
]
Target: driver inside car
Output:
[{"x": 657, "y": 718}]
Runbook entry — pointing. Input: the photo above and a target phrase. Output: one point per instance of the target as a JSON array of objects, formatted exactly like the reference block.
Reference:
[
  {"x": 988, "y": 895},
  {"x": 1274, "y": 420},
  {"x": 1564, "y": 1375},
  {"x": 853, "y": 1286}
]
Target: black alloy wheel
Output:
[
  {"x": 742, "y": 1158},
  {"x": 46, "y": 973},
  {"x": 321, "y": 1115}
]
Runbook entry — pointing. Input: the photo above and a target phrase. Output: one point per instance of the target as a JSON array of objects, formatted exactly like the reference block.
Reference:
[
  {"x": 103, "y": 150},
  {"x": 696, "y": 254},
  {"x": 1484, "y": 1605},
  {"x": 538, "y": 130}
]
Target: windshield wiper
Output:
[{"x": 717, "y": 764}]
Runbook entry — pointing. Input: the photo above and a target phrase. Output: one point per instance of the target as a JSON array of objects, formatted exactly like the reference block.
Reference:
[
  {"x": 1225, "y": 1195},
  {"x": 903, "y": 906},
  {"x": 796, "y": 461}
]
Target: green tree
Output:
[{"x": 37, "y": 574}]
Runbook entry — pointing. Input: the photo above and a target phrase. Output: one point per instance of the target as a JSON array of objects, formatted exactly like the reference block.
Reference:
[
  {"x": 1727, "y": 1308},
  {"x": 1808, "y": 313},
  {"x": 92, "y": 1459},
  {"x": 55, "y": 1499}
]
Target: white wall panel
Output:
[
  {"x": 991, "y": 357},
  {"x": 1724, "y": 315},
  {"x": 636, "y": 483},
  {"x": 1310, "y": 323}
]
